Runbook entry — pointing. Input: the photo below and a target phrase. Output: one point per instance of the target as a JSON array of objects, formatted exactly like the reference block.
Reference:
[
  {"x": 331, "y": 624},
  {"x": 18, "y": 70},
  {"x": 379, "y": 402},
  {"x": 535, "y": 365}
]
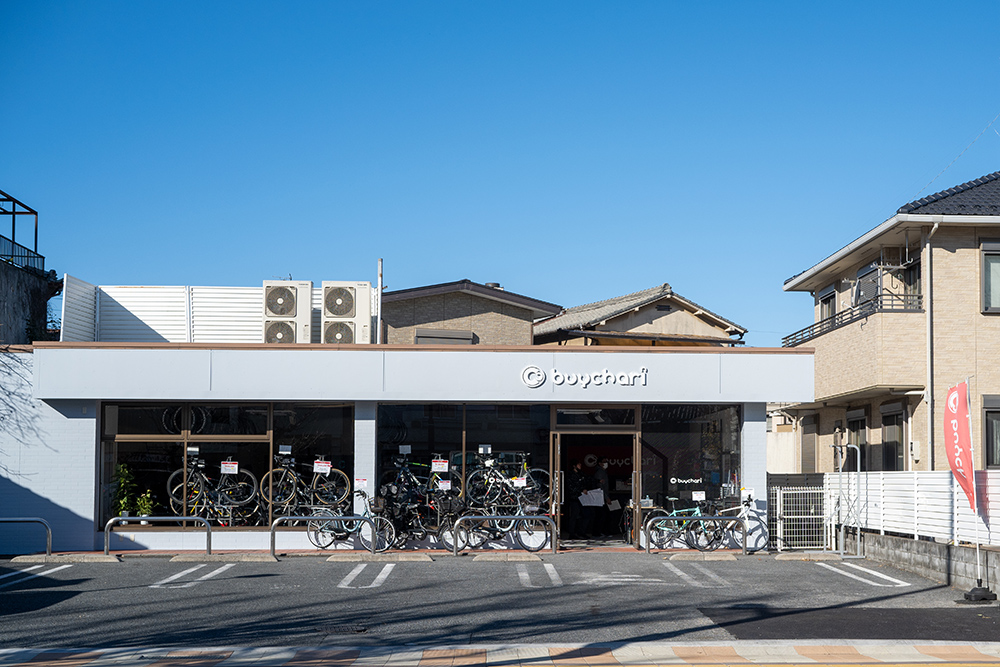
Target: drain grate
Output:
[{"x": 348, "y": 629}]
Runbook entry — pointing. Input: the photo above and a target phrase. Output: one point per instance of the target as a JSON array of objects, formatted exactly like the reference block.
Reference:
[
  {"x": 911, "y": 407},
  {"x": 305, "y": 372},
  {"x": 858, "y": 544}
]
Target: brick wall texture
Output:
[{"x": 491, "y": 322}]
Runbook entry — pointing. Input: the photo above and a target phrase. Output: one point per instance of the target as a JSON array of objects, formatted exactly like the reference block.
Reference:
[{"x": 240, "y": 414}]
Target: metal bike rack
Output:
[
  {"x": 157, "y": 519},
  {"x": 696, "y": 517},
  {"x": 338, "y": 519},
  {"x": 33, "y": 519},
  {"x": 534, "y": 517}
]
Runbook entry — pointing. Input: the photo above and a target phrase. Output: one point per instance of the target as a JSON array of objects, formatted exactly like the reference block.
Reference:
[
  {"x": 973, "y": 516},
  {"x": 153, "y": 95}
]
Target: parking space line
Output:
[
  {"x": 553, "y": 575},
  {"x": 353, "y": 574},
  {"x": 711, "y": 575},
  {"x": 682, "y": 574},
  {"x": 205, "y": 577},
  {"x": 20, "y": 572},
  {"x": 160, "y": 584},
  {"x": 522, "y": 574},
  {"x": 897, "y": 582},
  {"x": 33, "y": 575},
  {"x": 856, "y": 577}
]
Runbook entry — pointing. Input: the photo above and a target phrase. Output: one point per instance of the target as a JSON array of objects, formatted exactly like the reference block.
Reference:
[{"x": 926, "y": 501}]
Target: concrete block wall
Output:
[
  {"x": 946, "y": 563},
  {"x": 48, "y": 463},
  {"x": 24, "y": 298}
]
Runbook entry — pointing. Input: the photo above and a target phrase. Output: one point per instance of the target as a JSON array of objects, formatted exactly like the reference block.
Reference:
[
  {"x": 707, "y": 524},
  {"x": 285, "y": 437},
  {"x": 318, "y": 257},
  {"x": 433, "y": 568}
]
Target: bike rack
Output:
[
  {"x": 32, "y": 519},
  {"x": 696, "y": 517},
  {"x": 534, "y": 517},
  {"x": 157, "y": 519},
  {"x": 339, "y": 519}
]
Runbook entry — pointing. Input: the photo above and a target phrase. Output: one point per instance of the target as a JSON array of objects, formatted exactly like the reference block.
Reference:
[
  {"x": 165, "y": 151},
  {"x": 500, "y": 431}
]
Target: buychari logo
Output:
[{"x": 534, "y": 377}]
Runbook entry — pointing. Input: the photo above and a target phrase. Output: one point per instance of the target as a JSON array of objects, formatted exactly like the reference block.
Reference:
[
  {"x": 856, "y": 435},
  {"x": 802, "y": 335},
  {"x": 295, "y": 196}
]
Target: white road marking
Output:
[
  {"x": 32, "y": 576},
  {"x": 346, "y": 581},
  {"x": 160, "y": 584},
  {"x": 553, "y": 575},
  {"x": 854, "y": 576},
  {"x": 897, "y": 582},
  {"x": 711, "y": 575},
  {"x": 205, "y": 577},
  {"x": 618, "y": 579},
  {"x": 353, "y": 574},
  {"x": 682, "y": 574},
  {"x": 20, "y": 572},
  {"x": 522, "y": 574}
]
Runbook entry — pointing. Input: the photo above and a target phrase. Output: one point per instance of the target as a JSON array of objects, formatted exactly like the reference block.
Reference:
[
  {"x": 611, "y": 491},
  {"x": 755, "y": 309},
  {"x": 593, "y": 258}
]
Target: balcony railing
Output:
[
  {"x": 18, "y": 255},
  {"x": 882, "y": 303}
]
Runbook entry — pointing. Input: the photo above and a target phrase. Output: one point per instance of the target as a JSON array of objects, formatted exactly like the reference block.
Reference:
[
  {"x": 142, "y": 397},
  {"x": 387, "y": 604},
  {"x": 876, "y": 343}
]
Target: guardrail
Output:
[
  {"x": 696, "y": 517},
  {"x": 34, "y": 519},
  {"x": 156, "y": 519},
  {"x": 881, "y": 303},
  {"x": 324, "y": 518},
  {"x": 533, "y": 517}
]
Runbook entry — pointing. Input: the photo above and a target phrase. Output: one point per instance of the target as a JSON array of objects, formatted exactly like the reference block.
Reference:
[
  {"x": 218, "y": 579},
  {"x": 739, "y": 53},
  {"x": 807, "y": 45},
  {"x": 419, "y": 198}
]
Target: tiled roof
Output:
[
  {"x": 591, "y": 314},
  {"x": 978, "y": 197}
]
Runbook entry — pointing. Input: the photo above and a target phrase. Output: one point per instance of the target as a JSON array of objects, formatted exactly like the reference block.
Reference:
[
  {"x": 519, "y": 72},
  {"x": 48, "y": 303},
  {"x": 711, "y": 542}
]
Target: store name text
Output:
[{"x": 534, "y": 377}]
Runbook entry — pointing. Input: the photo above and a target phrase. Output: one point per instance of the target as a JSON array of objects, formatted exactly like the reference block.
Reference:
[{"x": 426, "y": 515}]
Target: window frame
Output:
[
  {"x": 826, "y": 299},
  {"x": 991, "y": 405},
  {"x": 988, "y": 247}
]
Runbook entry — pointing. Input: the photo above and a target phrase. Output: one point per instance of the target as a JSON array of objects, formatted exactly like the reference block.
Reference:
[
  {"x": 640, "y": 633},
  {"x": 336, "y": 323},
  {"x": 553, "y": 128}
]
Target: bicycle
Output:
[
  {"x": 700, "y": 534},
  {"x": 757, "y": 535},
  {"x": 486, "y": 483},
  {"x": 324, "y": 533},
  {"x": 283, "y": 486},
  {"x": 530, "y": 534},
  {"x": 191, "y": 487}
]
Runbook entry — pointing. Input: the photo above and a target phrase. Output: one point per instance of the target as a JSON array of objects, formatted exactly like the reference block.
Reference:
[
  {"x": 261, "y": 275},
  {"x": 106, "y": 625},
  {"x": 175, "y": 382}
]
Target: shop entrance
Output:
[{"x": 589, "y": 461}]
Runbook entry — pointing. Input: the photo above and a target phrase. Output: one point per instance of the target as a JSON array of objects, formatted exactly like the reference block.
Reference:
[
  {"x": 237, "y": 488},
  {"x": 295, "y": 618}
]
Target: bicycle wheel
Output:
[
  {"x": 536, "y": 491},
  {"x": 196, "y": 500},
  {"x": 476, "y": 486},
  {"x": 531, "y": 534},
  {"x": 278, "y": 486},
  {"x": 757, "y": 537},
  {"x": 663, "y": 534},
  {"x": 384, "y": 534},
  {"x": 238, "y": 489},
  {"x": 447, "y": 535},
  {"x": 331, "y": 489},
  {"x": 704, "y": 534},
  {"x": 506, "y": 504},
  {"x": 320, "y": 532},
  {"x": 175, "y": 486}
]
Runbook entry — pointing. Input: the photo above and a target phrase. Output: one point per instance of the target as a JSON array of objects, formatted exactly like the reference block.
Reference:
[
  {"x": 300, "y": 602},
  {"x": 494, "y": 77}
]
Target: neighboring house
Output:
[
  {"x": 460, "y": 313},
  {"x": 901, "y": 314},
  {"x": 656, "y": 316}
]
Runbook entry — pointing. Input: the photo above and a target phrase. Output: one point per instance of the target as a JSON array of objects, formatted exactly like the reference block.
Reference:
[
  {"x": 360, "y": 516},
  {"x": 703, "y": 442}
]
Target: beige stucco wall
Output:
[
  {"x": 650, "y": 320},
  {"x": 492, "y": 322}
]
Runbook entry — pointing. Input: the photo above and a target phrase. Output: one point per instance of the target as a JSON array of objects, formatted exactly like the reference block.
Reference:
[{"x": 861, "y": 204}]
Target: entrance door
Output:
[{"x": 589, "y": 450}]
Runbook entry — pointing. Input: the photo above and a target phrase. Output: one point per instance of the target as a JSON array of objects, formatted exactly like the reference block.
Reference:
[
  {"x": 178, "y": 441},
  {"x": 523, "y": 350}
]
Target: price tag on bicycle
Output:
[
  {"x": 322, "y": 467},
  {"x": 230, "y": 468},
  {"x": 520, "y": 482},
  {"x": 444, "y": 484},
  {"x": 439, "y": 465}
]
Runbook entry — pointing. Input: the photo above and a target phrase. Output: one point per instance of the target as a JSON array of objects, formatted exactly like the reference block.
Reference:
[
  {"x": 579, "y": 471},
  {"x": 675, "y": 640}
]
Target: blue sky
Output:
[{"x": 572, "y": 151}]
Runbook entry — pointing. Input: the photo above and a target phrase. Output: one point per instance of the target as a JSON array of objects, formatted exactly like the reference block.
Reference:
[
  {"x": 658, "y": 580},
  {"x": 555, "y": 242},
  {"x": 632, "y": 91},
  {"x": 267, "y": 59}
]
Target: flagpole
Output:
[{"x": 975, "y": 491}]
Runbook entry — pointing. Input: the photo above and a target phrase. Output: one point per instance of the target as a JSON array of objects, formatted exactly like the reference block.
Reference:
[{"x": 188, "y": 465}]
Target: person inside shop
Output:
[
  {"x": 577, "y": 484},
  {"x": 602, "y": 515}
]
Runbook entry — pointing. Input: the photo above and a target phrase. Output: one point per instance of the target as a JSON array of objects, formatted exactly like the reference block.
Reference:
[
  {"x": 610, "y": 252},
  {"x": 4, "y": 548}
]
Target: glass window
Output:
[
  {"x": 212, "y": 419},
  {"x": 314, "y": 432},
  {"x": 423, "y": 430},
  {"x": 143, "y": 419},
  {"x": 595, "y": 417},
  {"x": 991, "y": 276},
  {"x": 892, "y": 442},
  {"x": 993, "y": 438},
  {"x": 687, "y": 448},
  {"x": 828, "y": 306},
  {"x": 857, "y": 434}
]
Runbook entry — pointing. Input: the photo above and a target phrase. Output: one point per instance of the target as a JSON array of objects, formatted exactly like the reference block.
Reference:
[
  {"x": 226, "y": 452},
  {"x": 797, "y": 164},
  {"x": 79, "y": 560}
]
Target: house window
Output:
[
  {"x": 867, "y": 286},
  {"x": 857, "y": 435},
  {"x": 991, "y": 275},
  {"x": 892, "y": 442},
  {"x": 827, "y": 299},
  {"x": 991, "y": 406}
]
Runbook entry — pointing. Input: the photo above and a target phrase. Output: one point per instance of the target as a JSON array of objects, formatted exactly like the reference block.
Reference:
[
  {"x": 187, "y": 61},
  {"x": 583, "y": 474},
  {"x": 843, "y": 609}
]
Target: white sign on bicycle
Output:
[
  {"x": 444, "y": 484},
  {"x": 322, "y": 467},
  {"x": 520, "y": 482},
  {"x": 439, "y": 465},
  {"x": 697, "y": 495},
  {"x": 230, "y": 468}
]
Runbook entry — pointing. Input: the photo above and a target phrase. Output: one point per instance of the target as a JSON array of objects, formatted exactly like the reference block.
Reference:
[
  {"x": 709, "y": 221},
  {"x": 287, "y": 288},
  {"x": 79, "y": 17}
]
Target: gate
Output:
[{"x": 797, "y": 517}]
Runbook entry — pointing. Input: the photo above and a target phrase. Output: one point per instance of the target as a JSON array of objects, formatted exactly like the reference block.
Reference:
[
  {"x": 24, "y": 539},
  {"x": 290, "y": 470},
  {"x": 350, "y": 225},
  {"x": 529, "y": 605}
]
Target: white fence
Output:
[{"x": 917, "y": 504}]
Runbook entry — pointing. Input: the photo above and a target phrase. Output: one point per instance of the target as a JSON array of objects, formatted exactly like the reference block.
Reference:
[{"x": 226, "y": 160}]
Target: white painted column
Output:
[
  {"x": 365, "y": 444},
  {"x": 753, "y": 452}
]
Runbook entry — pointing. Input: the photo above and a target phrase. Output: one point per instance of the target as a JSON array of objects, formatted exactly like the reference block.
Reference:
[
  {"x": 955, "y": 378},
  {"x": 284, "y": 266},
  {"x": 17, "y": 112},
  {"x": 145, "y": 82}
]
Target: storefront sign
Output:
[
  {"x": 534, "y": 377},
  {"x": 692, "y": 480}
]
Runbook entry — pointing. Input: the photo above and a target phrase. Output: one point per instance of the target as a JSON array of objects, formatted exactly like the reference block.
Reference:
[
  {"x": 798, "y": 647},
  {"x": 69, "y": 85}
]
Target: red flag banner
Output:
[{"x": 958, "y": 441}]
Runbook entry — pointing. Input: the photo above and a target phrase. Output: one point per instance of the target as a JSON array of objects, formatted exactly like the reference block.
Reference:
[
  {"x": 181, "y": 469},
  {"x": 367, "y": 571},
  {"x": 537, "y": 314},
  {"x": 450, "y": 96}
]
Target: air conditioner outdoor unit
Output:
[
  {"x": 287, "y": 311},
  {"x": 347, "y": 312}
]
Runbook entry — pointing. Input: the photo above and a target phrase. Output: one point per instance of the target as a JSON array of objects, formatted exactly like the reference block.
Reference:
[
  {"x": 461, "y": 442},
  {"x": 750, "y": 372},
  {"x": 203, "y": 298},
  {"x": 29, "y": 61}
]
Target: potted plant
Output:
[
  {"x": 123, "y": 494},
  {"x": 144, "y": 505}
]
